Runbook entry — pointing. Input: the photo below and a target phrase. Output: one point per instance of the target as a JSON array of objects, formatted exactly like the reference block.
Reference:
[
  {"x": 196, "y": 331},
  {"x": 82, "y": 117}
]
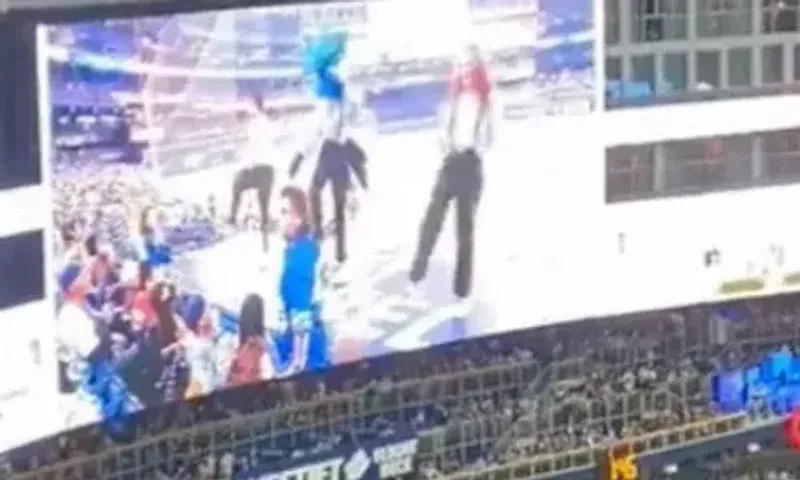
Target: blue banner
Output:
[
  {"x": 775, "y": 379},
  {"x": 382, "y": 458}
]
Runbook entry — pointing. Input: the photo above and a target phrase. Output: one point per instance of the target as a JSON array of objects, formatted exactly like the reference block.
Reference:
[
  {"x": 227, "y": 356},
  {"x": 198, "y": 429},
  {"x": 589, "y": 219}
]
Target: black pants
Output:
[
  {"x": 459, "y": 180},
  {"x": 333, "y": 167},
  {"x": 261, "y": 179}
]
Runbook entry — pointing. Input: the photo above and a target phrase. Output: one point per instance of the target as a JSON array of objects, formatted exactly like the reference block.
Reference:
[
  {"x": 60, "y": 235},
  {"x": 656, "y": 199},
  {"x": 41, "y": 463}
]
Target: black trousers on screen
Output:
[
  {"x": 333, "y": 167},
  {"x": 336, "y": 162},
  {"x": 261, "y": 179},
  {"x": 459, "y": 181}
]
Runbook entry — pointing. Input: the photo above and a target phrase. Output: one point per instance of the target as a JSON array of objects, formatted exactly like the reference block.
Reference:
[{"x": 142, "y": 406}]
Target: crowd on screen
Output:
[{"x": 590, "y": 364}]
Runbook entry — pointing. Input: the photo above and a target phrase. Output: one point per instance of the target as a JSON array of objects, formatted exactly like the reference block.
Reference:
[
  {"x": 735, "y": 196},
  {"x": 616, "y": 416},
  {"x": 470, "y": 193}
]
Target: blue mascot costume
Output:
[
  {"x": 322, "y": 55},
  {"x": 338, "y": 158}
]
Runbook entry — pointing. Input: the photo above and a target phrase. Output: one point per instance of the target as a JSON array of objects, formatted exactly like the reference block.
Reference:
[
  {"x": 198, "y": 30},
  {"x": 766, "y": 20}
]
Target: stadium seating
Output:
[{"x": 506, "y": 407}]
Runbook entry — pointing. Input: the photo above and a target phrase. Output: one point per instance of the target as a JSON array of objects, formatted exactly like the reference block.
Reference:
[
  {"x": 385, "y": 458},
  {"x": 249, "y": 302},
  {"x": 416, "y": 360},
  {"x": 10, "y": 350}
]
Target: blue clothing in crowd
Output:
[
  {"x": 297, "y": 284},
  {"x": 158, "y": 254},
  {"x": 154, "y": 253},
  {"x": 112, "y": 396}
]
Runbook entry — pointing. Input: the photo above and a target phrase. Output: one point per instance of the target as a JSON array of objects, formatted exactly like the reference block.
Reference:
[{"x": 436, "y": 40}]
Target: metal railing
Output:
[
  {"x": 581, "y": 459},
  {"x": 354, "y": 409}
]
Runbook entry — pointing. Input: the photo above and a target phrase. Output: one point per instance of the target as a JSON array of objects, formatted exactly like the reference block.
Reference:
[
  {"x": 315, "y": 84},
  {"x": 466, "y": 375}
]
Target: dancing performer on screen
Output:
[
  {"x": 337, "y": 156},
  {"x": 468, "y": 128},
  {"x": 257, "y": 173}
]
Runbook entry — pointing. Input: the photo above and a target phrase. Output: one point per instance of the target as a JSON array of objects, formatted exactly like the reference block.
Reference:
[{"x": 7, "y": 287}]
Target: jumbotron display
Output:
[{"x": 250, "y": 194}]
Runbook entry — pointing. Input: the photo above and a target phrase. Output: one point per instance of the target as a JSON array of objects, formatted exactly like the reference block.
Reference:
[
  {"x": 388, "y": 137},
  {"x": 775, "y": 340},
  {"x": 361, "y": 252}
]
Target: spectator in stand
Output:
[
  {"x": 251, "y": 362},
  {"x": 149, "y": 243}
]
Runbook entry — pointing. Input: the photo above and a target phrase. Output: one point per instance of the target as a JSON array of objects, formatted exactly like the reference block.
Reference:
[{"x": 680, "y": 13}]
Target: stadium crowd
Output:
[{"x": 477, "y": 404}]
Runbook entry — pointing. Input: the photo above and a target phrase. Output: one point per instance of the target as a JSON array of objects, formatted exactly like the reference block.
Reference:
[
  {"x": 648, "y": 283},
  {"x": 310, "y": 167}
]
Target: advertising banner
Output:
[{"x": 383, "y": 458}]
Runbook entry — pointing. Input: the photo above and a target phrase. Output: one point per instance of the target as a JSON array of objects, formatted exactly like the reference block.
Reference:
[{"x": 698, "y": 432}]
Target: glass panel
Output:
[
  {"x": 614, "y": 90},
  {"x": 629, "y": 172},
  {"x": 720, "y": 18},
  {"x": 740, "y": 67},
  {"x": 676, "y": 20},
  {"x": 643, "y": 70},
  {"x": 612, "y": 23},
  {"x": 706, "y": 164},
  {"x": 676, "y": 72},
  {"x": 796, "y": 63},
  {"x": 21, "y": 268},
  {"x": 19, "y": 132},
  {"x": 779, "y": 16},
  {"x": 781, "y": 154},
  {"x": 772, "y": 64},
  {"x": 613, "y": 68},
  {"x": 699, "y": 165},
  {"x": 738, "y": 151},
  {"x": 658, "y": 20},
  {"x": 707, "y": 65}
]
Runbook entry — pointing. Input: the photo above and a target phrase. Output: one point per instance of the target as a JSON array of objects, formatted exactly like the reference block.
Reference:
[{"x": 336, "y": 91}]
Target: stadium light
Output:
[{"x": 753, "y": 447}]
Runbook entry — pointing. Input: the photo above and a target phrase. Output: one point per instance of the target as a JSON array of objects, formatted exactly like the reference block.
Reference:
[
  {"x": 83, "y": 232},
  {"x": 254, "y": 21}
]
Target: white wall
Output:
[
  {"x": 23, "y": 210},
  {"x": 28, "y": 385},
  {"x": 670, "y": 235},
  {"x": 662, "y": 265},
  {"x": 675, "y": 122}
]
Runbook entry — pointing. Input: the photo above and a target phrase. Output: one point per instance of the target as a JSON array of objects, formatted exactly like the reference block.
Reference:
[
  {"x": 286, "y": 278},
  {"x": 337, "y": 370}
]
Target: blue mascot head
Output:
[{"x": 322, "y": 55}]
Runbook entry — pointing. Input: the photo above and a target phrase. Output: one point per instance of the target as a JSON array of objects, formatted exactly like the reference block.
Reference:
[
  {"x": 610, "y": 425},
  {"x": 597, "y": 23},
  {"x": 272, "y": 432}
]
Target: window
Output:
[
  {"x": 772, "y": 64},
  {"x": 701, "y": 165},
  {"x": 614, "y": 87},
  {"x": 613, "y": 68},
  {"x": 19, "y": 133},
  {"x": 643, "y": 70},
  {"x": 685, "y": 167},
  {"x": 779, "y": 16},
  {"x": 629, "y": 172},
  {"x": 659, "y": 20},
  {"x": 21, "y": 268},
  {"x": 738, "y": 151},
  {"x": 612, "y": 23},
  {"x": 676, "y": 72},
  {"x": 707, "y": 65},
  {"x": 781, "y": 155},
  {"x": 706, "y": 164},
  {"x": 796, "y": 63},
  {"x": 740, "y": 67},
  {"x": 722, "y": 18}
]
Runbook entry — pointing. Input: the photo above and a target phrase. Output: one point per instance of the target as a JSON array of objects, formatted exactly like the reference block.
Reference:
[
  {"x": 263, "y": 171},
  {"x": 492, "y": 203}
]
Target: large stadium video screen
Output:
[{"x": 249, "y": 194}]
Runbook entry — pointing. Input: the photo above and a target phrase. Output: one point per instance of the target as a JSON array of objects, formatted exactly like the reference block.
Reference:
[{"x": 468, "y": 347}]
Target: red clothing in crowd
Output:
[{"x": 246, "y": 365}]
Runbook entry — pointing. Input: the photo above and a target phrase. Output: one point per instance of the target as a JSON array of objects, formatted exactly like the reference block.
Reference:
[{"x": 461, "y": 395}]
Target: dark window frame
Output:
[
  {"x": 22, "y": 273},
  {"x": 705, "y": 165}
]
